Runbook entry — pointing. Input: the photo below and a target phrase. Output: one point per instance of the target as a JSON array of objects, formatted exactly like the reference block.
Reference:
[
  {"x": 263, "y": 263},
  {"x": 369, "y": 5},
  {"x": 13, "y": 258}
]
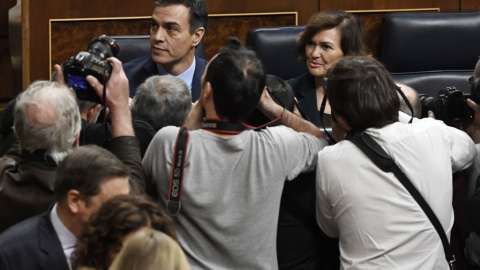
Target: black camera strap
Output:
[
  {"x": 405, "y": 99},
  {"x": 376, "y": 153},
  {"x": 107, "y": 137},
  {"x": 322, "y": 113},
  {"x": 224, "y": 127},
  {"x": 176, "y": 178}
]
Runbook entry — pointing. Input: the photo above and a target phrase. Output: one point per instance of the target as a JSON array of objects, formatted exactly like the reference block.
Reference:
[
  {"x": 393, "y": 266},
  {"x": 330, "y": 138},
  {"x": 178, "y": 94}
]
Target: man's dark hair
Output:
[
  {"x": 237, "y": 78},
  {"x": 361, "y": 91},
  {"x": 352, "y": 41},
  {"x": 198, "y": 11},
  {"x": 281, "y": 92},
  {"x": 85, "y": 169}
]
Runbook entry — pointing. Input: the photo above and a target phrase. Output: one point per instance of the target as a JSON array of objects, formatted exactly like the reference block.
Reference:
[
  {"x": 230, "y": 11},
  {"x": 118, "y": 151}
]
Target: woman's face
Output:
[{"x": 322, "y": 51}]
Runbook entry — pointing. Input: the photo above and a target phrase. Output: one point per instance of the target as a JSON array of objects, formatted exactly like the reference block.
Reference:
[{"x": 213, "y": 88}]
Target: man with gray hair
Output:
[
  {"x": 47, "y": 117},
  {"x": 160, "y": 101},
  {"x": 47, "y": 124}
]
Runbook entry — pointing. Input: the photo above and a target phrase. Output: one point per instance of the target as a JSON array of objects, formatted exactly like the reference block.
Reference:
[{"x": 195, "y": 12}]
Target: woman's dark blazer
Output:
[{"x": 306, "y": 93}]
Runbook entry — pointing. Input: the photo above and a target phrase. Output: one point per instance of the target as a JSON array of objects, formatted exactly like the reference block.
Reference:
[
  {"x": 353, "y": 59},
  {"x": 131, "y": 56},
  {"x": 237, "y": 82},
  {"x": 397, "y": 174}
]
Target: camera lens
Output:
[
  {"x": 427, "y": 103},
  {"x": 103, "y": 46}
]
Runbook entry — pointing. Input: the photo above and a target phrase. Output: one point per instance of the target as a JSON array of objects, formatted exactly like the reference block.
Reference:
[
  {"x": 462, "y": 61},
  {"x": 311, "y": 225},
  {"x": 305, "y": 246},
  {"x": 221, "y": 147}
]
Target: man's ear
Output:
[
  {"x": 74, "y": 200},
  {"x": 207, "y": 91},
  {"x": 76, "y": 143},
  {"x": 198, "y": 35}
]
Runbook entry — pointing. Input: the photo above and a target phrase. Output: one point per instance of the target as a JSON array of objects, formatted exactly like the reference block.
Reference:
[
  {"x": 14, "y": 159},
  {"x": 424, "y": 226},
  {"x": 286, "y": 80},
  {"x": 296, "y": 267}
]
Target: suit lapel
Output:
[
  {"x": 52, "y": 256},
  {"x": 307, "y": 98},
  {"x": 197, "y": 76},
  {"x": 150, "y": 68}
]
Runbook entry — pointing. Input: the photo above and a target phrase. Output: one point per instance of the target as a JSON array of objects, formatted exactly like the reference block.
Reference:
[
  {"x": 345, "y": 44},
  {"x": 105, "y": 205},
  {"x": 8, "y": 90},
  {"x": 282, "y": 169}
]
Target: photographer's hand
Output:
[
  {"x": 272, "y": 110},
  {"x": 473, "y": 128},
  {"x": 117, "y": 96},
  {"x": 195, "y": 118}
]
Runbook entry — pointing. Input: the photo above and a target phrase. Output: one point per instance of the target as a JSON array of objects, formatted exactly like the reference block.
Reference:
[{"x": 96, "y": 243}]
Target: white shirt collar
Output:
[
  {"x": 67, "y": 239},
  {"x": 187, "y": 75}
]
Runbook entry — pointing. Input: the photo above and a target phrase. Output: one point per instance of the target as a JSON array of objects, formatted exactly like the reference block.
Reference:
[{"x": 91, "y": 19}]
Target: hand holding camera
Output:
[
  {"x": 96, "y": 75},
  {"x": 450, "y": 106},
  {"x": 92, "y": 62},
  {"x": 473, "y": 128}
]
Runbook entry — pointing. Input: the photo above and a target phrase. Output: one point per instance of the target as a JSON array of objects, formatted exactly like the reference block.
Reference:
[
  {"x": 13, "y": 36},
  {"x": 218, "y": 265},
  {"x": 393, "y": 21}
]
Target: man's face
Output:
[
  {"x": 108, "y": 189},
  {"x": 173, "y": 46}
]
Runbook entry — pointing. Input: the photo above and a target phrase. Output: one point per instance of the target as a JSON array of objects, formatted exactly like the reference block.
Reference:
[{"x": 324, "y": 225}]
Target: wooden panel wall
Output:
[
  {"x": 220, "y": 26},
  {"x": 36, "y": 15},
  {"x": 6, "y": 70}
]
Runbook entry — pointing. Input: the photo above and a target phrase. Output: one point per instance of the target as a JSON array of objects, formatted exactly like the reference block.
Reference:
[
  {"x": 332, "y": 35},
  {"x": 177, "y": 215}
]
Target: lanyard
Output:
[{"x": 176, "y": 177}]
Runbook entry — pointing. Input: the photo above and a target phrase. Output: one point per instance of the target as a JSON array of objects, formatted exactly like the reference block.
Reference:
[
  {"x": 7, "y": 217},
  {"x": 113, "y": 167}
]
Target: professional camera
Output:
[
  {"x": 450, "y": 106},
  {"x": 92, "y": 62}
]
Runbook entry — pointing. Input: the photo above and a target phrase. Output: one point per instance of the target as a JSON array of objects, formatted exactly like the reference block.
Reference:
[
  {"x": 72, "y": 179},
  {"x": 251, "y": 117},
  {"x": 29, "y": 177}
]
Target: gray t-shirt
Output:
[{"x": 231, "y": 191}]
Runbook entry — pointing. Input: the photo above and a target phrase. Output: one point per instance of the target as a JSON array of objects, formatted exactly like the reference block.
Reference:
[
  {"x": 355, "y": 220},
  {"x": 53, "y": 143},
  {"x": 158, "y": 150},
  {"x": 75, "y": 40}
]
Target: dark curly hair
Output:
[{"x": 119, "y": 216}]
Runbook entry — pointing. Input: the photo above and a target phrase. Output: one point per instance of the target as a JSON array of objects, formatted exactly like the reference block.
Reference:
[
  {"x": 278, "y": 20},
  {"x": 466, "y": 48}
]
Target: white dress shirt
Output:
[
  {"x": 67, "y": 239},
  {"x": 379, "y": 224},
  {"x": 187, "y": 75}
]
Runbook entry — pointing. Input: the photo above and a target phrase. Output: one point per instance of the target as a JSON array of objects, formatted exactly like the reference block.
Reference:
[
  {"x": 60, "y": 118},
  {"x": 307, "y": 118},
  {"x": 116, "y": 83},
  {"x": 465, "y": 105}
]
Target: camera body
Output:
[
  {"x": 450, "y": 106},
  {"x": 92, "y": 62}
]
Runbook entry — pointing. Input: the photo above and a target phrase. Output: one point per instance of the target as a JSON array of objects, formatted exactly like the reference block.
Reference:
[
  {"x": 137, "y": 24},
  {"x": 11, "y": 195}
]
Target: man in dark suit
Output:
[
  {"x": 85, "y": 179},
  {"x": 177, "y": 27}
]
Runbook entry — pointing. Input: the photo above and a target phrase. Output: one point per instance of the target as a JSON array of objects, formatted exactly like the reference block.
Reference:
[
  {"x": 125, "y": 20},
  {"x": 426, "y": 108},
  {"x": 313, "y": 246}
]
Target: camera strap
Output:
[
  {"x": 176, "y": 178},
  {"x": 322, "y": 112},
  {"x": 380, "y": 158},
  {"x": 405, "y": 99},
  {"x": 225, "y": 127}
]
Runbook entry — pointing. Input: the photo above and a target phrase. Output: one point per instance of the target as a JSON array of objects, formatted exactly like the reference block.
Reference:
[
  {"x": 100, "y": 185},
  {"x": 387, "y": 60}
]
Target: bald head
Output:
[{"x": 412, "y": 97}]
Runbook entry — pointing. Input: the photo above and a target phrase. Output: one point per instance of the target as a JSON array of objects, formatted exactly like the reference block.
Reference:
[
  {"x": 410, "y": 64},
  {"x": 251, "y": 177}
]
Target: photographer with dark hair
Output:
[
  {"x": 177, "y": 27},
  {"x": 227, "y": 201},
  {"x": 379, "y": 222}
]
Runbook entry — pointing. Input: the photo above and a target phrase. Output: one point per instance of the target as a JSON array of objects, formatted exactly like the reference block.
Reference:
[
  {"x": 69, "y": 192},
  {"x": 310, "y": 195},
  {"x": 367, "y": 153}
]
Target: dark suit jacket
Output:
[
  {"x": 32, "y": 244},
  {"x": 27, "y": 182},
  {"x": 138, "y": 70},
  {"x": 306, "y": 93}
]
